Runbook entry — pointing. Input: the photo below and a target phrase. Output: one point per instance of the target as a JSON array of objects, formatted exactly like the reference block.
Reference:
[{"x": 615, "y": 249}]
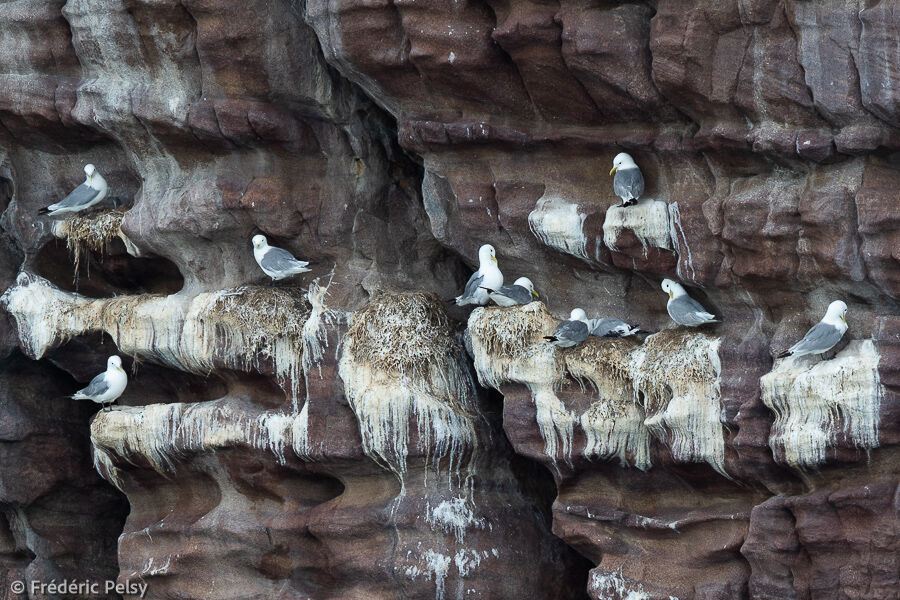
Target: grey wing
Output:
[
  {"x": 821, "y": 338},
  {"x": 81, "y": 195},
  {"x": 605, "y": 326},
  {"x": 574, "y": 331},
  {"x": 687, "y": 311},
  {"x": 628, "y": 183},
  {"x": 96, "y": 387},
  {"x": 517, "y": 293},
  {"x": 472, "y": 286},
  {"x": 277, "y": 260}
]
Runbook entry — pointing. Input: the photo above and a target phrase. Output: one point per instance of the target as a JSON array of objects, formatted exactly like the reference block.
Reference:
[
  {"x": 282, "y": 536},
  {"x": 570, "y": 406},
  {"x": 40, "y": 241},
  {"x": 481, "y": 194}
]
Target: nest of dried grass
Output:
[
  {"x": 610, "y": 357},
  {"x": 407, "y": 334},
  {"x": 676, "y": 359},
  {"x": 509, "y": 332},
  {"x": 90, "y": 232},
  {"x": 262, "y": 312}
]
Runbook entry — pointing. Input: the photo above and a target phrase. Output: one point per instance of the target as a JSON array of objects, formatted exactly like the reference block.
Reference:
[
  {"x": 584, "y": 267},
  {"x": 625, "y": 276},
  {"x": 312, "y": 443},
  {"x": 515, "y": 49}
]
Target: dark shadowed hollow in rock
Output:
[{"x": 350, "y": 434}]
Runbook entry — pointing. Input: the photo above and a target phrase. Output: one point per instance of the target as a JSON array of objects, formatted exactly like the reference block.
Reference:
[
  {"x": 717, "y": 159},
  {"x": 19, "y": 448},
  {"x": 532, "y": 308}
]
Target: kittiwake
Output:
[
  {"x": 628, "y": 184},
  {"x": 612, "y": 327},
  {"x": 520, "y": 292},
  {"x": 824, "y": 335},
  {"x": 570, "y": 332},
  {"x": 488, "y": 276},
  {"x": 275, "y": 262},
  {"x": 683, "y": 309},
  {"x": 106, "y": 387},
  {"x": 89, "y": 193}
]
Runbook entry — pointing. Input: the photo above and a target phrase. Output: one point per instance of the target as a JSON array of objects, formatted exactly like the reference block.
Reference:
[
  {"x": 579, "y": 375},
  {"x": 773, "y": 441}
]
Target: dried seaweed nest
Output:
[
  {"x": 90, "y": 232},
  {"x": 610, "y": 357},
  {"x": 675, "y": 362},
  {"x": 508, "y": 332},
  {"x": 689, "y": 354},
  {"x": 401, "y": 333},
  {"x": 262, "y": 312}
]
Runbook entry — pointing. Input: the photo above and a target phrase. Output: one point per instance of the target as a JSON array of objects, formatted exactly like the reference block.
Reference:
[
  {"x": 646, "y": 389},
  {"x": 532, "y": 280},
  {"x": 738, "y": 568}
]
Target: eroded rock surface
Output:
[{"x": 331, "y": 437}]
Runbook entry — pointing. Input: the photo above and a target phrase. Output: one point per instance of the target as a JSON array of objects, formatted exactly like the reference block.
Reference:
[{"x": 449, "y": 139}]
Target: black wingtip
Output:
[
  {"x": 784, "y": 354},
  {"x": 489, "y": 290},
  {"x": 44, "y": 211},
  {"x": 550, "y": 338}
]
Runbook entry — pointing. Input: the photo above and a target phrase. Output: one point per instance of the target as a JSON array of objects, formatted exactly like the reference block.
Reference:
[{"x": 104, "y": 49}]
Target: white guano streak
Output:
[{"x": 816, "y": 402}]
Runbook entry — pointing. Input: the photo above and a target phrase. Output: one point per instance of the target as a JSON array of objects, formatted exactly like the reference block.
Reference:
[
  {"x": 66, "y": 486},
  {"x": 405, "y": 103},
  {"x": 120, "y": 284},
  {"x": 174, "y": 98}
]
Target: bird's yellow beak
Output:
[
  {"x": 613, "y": 170},
  {"x": 535, "y": 294},
  {"x": 671, "y": 294},
  {"x": 494, "y": 258},
  {"x": 91, "y": 176},
  {"x": 844, "y": 318}
]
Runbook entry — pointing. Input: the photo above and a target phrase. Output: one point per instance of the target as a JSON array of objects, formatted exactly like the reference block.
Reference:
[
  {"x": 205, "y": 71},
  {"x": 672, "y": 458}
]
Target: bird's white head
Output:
[
  {"x": 577, "y": 315},
  {"x": 673, "y": 288},
  {"x": 486, "y": 254},
  {"x": 526, "y": 283},
  {"x": 622, "y": 160},
  {"x": 836, "y": 313},
  {"x": 114, "y": 363},
  {"x": 259, "y": 241},
  {"x": 89, "y": 171}
]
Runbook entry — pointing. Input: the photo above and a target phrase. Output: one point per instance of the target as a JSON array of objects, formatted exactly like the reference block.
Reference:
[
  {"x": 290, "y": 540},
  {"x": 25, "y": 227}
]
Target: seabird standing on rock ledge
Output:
[
  {"x": 824, "y": 335},
  {"x": 570, "y": 332},
  {"x": 683, "y": 309},
  {"x": 628, "y": 184},
  {"x": 275, "y": 262},
  {"x": 612, "y": 327},
  {"x": 106, "y": 387},
  {"x": 488, "y": 276},
  {"x": 520, "y": 292},
  {"x": 86, "y": 195}
]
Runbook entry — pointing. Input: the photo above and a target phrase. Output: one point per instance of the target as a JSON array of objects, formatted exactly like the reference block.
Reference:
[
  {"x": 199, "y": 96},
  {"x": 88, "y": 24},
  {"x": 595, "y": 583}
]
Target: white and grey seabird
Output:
[
  {"x": 628, "y": 184},
  {"x": 86, "y": 195},
  {"x": 520, "y": 292},
  {"x": 824, "y": 335},
  {"x": 612, "y": 327},
  {"x": 683, "y": 309},
  {"x": 488, "y": 276},
  {"x": 106, "y": 387},
  {"x": 275, "y": 262},
  {"x": 570, "y": 332}
]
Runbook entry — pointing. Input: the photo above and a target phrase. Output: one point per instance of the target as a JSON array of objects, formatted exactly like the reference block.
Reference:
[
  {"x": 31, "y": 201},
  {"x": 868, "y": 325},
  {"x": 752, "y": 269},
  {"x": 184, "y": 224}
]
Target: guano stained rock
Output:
[{"x": 348, "y": 435}]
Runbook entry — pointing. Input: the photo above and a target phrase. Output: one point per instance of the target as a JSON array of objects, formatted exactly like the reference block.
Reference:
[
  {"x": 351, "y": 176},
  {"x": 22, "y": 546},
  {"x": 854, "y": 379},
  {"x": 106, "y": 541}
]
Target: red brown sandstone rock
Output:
[{"x": 770, "y": 125}]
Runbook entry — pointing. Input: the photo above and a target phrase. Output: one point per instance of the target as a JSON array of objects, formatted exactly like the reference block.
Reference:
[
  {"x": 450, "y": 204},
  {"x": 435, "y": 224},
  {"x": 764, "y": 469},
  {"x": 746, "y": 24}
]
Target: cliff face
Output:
[{"x": 349, "y": 435}]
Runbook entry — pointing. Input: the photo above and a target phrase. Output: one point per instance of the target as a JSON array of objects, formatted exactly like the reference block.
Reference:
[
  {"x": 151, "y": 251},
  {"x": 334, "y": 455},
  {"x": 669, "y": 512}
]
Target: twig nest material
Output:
[
  {"x": 402, "y": 369},
  {"x": 90, "y": 232},
  {"x": 401, "y": 333}
]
